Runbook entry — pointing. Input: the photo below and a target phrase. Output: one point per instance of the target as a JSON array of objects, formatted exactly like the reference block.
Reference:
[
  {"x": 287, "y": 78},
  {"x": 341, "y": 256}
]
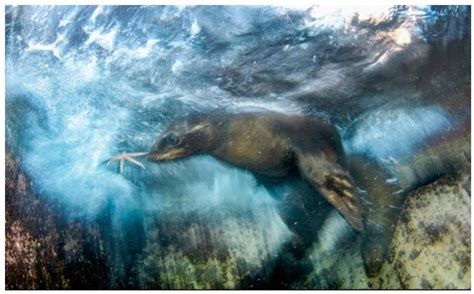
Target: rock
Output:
[
  {"x": 44, "y": 250},
  {"x": 434, "y": 236},
  {"x": 211, "y": 250}
]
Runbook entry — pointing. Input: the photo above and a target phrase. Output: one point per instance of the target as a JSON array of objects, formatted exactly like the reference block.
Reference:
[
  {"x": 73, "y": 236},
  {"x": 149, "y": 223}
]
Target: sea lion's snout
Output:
[
  {"x": 168, "y": 147},
  {"x": 181, "y": 140}
]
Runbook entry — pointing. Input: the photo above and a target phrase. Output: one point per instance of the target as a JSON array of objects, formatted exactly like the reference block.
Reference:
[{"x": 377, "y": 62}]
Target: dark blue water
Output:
[{"x": 84, "y": 83}]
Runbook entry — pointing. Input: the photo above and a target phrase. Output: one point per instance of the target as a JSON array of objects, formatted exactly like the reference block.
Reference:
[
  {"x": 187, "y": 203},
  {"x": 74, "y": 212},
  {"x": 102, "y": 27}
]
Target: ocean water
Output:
[{"x": 84, "y": 83}]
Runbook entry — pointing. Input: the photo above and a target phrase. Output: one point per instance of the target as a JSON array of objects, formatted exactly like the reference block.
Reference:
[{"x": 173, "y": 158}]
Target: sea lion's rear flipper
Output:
[
  {"x": 335, "y": 185},
  {"x": 382, "y": 202}
]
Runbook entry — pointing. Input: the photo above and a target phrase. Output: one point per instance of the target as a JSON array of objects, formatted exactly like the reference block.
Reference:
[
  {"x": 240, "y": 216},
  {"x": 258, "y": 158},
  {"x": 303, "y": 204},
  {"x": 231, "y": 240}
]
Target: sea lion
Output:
[{"x": 269, "y": 144}]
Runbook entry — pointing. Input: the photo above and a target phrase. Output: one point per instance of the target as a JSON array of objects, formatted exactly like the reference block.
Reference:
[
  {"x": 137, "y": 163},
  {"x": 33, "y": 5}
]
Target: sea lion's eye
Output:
[{"x": 171, "y": 139}]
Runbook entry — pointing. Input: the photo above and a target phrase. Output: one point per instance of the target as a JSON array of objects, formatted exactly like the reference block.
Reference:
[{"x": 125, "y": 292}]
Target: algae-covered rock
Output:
[
  {"x": 212, "y": 250},
  {"x": 431, "y": 248},
  {"x": 44, "y": 249},
  {"x": 31, "y": 252}
]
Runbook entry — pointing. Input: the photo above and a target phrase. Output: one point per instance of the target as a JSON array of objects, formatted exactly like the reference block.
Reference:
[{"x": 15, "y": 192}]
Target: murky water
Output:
[{"x": 84, "y": 83}]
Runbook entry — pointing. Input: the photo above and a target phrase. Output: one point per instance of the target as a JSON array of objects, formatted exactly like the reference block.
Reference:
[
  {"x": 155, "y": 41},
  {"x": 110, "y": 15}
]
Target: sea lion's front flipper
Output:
[{"x": 335, "y": 185}]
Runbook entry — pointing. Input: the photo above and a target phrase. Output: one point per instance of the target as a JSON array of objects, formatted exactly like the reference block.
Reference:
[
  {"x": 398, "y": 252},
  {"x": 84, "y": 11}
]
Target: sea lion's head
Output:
[{"x": 183, "y": 138}]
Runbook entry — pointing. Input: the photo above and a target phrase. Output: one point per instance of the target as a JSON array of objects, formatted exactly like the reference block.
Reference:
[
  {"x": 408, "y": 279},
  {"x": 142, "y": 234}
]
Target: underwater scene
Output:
[{"x": 238, "y": 147}]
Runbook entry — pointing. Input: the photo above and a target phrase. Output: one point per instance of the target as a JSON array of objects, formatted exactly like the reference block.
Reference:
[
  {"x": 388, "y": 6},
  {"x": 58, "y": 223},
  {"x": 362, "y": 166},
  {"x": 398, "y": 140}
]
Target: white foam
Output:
[
  {"x": 392, "y": 134},
  {"x": 105, "y": 40},
  {"x": 54, "y": 47},
  {"x": 177, "y": 66},
  {"x": 334, "y": 231},
  {"x": 98, "y": 11},
  {"x": 195, "y": 29},
  {"x": 144, "y": 52}
]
